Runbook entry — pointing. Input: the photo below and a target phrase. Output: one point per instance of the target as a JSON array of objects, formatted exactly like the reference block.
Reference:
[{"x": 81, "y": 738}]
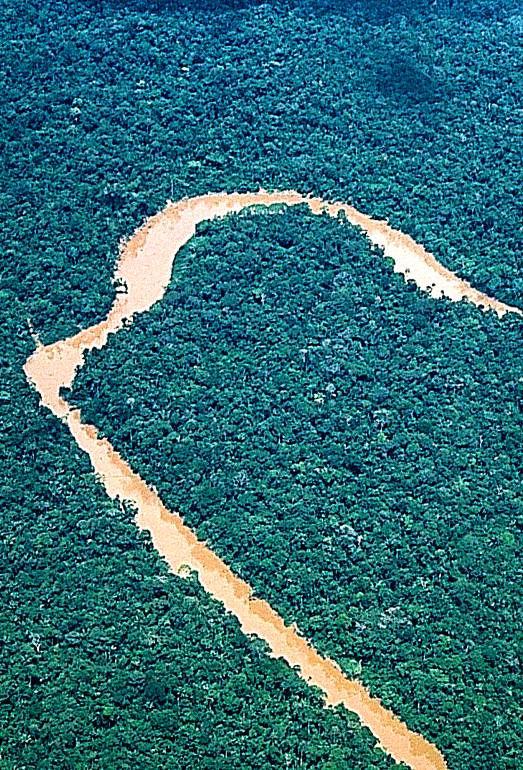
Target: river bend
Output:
[{"x": 144, "y": 267}]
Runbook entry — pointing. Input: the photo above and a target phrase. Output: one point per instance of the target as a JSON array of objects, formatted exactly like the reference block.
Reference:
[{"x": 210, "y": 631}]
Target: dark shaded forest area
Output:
[{"x": 349, "y": 446}]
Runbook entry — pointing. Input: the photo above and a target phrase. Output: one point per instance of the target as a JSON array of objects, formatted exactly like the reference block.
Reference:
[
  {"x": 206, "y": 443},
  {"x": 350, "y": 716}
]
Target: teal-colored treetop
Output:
[
  {"x": 347, "y": 444},
  {"x": 351, "y": 447}
]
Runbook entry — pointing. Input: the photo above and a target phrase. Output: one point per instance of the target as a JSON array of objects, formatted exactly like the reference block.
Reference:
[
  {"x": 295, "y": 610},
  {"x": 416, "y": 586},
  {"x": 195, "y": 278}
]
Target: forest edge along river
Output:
[{"x": 144, "y": 269}]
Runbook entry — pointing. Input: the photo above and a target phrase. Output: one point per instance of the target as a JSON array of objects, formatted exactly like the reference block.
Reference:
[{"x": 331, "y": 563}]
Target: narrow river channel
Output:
[{"x": 145, "y": 267}]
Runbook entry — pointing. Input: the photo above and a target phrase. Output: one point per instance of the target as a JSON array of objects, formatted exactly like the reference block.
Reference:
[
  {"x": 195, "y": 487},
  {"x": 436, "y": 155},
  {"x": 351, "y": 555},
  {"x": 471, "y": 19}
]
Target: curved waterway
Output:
[{"x": 144, "y": 267}]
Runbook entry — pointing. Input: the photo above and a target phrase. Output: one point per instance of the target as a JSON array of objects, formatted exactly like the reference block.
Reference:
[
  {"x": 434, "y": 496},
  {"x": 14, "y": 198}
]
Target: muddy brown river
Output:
[{"x": 144, "y": 267}]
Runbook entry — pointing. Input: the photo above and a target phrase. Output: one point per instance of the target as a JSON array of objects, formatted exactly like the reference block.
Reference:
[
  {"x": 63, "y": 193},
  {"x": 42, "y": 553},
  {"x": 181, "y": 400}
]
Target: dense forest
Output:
[
  {"x": 108, "y": 662},
  {"x": 349, "y": 446}
]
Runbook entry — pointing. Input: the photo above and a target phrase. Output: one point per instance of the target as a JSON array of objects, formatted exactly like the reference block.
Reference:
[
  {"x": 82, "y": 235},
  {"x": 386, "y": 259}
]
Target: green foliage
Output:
[
  {"x": 120, "y": 109},
  {"x": 106, "y": 661},
  {"x": 351, "y": 448},
  {"x": 344, "y": 479},
  {"x": 399, "y": 77}
]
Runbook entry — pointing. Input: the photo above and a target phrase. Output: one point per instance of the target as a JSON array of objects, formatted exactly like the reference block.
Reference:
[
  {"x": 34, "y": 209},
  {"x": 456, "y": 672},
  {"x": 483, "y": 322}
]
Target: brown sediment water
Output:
[{"x": 144, "y": 267}]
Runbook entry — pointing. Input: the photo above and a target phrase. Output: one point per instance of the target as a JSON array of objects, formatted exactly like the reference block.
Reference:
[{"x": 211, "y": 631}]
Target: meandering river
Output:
[{"x": 144, "y": 267}]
